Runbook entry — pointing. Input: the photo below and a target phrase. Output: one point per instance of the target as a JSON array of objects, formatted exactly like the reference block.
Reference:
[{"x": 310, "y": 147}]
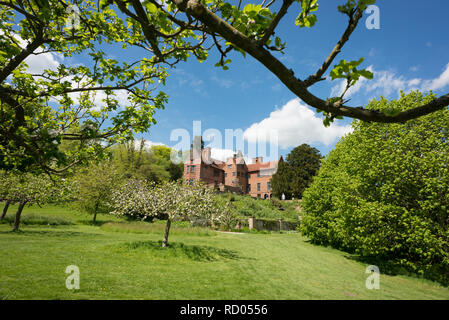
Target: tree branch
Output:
[
  {"x": 17, "y": 60},
  {"x": 285, "y": 5},
  {"x": 295, "y": 85},
  {"x": 352, "y": 24}
]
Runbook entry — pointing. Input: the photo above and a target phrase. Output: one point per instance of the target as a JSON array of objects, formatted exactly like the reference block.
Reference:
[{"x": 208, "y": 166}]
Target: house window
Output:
[
  {"x": 233, "y": 174},
  {"x": 258, "y": 187},
  {"x": 226, "y": 174},
  {"x": 229, "y": 166},
  {"x": 192, "y": 168},
  {"x": 268, "y": 185},
  {"x": 258, "y": 174},
  {"x": 238, "y": 173}
]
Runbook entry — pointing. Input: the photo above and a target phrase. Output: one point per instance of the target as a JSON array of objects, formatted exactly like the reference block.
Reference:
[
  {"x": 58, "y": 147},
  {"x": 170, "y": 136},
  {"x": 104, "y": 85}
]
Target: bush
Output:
[{"x": 383, "y": 193}]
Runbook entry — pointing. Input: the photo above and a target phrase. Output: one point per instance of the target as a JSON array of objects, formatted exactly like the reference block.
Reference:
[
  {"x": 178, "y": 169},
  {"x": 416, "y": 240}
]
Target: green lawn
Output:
[{"x": 118, "y": 260}]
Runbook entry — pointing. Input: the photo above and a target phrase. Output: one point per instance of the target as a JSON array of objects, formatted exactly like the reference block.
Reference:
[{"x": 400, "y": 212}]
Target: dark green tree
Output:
[
  {"x": 295, "y": 174},
  {"x": 281, "y": 180}
]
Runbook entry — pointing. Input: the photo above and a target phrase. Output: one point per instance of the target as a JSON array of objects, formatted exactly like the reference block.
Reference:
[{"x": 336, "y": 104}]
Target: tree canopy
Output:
[
  {"x": 295, "y": 174},
  {"x": 135, "y": 160},
  {"x": 102, "y": 101}
]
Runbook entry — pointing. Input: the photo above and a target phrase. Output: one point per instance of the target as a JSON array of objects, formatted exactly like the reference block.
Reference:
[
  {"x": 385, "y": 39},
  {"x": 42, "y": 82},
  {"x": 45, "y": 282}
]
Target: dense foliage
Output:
[
  {"x": 244, "y": 207},
  {"x": 295, "y": 174},
  {"x": 135, "y": 160},
  {"x": 92, "y": 187},
  {"x": 384, "y": 191},
  {"x": 103, "y": 100}
]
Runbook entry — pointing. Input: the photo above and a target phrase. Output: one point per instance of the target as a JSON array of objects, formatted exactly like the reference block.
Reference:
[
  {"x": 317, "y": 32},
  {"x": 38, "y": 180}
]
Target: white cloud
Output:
[
  {"x": 295, "y": 124},
  {"x": 147, "y": 144},
  {"x": 386, "y": 83},
  {"x": 439, "y": 83},
  {"x": 222, "y": 82},
  {"x": 38, "y": 63},
  {"x": 221, "y": 154}
]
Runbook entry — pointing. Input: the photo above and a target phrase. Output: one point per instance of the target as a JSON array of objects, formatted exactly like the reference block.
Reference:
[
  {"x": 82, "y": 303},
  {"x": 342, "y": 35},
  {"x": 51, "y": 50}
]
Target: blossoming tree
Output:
[
  {"x": 170, "y": 200},
  {"x": 25, "y": 189}
]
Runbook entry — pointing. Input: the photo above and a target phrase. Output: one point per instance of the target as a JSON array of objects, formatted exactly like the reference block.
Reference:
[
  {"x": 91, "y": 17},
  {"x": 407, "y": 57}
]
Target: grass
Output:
[
  {"x": 157, "y": 227},
  {"x": 55, "y": 215},
  {"x": 120, "y": 260}
]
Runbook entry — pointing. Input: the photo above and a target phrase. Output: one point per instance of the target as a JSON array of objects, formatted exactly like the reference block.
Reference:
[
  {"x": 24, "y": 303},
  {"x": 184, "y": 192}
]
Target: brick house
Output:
[{"x": 230, "y": 175}]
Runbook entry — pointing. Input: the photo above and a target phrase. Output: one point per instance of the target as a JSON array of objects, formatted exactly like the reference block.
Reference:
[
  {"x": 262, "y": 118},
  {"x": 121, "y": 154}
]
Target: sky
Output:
[{"x": 409, "y": 51}]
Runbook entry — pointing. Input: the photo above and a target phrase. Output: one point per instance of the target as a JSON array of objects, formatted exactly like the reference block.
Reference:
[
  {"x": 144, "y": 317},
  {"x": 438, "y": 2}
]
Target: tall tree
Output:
[
  {"x": 295, "y": 174},
  {"x": 281, "y": 181}
]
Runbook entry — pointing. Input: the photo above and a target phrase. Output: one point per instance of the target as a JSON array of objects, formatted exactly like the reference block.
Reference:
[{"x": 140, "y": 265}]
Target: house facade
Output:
[{"x": 231, "y": 175}]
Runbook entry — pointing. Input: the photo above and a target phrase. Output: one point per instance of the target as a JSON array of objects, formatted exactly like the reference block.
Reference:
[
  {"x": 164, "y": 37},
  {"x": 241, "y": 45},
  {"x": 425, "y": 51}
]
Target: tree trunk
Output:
[
  {"x": 5, "y": 209},
  {"x": 18, "y": 214},
  {"x": 95, "y": 214},
  {"x": 167, "y": 230}
]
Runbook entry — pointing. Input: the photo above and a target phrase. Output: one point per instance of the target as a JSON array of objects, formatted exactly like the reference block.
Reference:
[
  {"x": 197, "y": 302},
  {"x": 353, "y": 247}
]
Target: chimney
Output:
[
  {"x": 206, "y": 153},
  {"x": 197, "y": 146}
]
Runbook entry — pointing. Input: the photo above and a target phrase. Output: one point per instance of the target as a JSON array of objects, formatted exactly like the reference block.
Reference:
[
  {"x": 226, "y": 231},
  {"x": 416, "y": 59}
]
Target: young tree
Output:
[
  {"x": 26, "y": 189},
  {"x": 384, "y": 191},
  {"x": 94, "y": 186},
  {"x": 295, "y": 174},
  {"x": 5, "y": 209}
]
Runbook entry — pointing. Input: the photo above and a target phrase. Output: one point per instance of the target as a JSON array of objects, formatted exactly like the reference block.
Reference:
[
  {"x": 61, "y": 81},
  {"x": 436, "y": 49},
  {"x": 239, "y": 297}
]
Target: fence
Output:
[{"x": 269, "y": 225}]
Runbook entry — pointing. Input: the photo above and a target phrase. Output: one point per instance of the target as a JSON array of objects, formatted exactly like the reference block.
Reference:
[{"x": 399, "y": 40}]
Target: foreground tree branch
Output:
[{"x": 287, "y": 77}]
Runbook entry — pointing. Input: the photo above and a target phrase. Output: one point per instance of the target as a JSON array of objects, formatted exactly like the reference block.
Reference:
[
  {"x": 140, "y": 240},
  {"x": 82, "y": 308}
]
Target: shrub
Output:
[{"x": 384, "y": 191}]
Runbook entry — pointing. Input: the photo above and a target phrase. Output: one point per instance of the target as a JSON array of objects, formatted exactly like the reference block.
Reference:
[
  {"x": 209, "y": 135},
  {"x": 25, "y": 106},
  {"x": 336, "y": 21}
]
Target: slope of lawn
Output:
[
  {"x": 245, "y": 206},
  {"x": 122, "y": 260}
]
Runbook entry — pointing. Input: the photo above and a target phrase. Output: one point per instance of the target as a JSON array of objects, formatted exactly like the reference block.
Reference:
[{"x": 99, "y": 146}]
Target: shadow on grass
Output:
[
  {"x": 393, "y": 268},
  {"x": 175, "y": 249},
  {"x": 97, "y": 223}
]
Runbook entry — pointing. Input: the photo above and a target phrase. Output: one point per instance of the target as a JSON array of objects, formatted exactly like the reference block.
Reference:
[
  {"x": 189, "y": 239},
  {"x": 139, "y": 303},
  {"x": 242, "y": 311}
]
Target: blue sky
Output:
[{"x": 409, "y": 51}]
